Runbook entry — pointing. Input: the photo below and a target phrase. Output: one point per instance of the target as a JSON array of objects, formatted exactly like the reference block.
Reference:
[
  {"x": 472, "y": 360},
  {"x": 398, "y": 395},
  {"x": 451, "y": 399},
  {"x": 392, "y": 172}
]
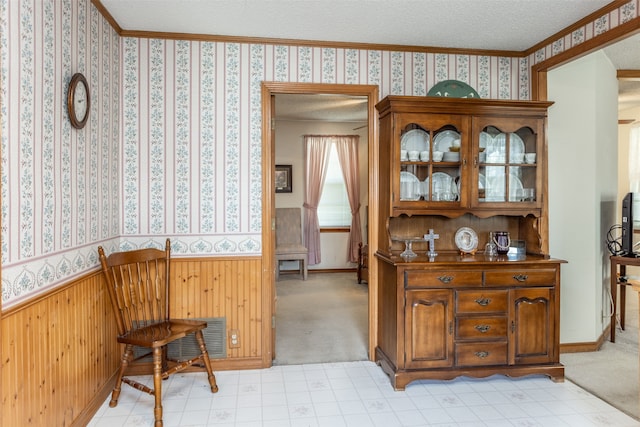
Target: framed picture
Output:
[{"x": 283, "y": 179}]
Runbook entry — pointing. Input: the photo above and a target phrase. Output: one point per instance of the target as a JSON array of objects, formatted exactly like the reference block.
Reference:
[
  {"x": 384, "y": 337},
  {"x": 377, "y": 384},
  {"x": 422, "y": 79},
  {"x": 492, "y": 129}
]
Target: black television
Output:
[{"x": 628, "y": 224}]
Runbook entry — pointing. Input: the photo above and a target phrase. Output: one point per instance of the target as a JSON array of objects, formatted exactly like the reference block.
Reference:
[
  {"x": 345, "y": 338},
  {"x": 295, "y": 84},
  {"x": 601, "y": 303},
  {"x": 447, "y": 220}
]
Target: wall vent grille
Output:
[{"x": 215, "y": 337}]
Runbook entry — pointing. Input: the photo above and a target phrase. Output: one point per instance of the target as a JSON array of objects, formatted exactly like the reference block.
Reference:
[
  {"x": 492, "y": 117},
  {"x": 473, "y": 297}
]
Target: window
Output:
[{"x": 334, "y": 209}]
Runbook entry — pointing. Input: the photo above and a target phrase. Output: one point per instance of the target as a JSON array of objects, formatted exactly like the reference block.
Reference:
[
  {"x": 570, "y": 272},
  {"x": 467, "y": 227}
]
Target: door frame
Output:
[{"x": 268, "y": 200}]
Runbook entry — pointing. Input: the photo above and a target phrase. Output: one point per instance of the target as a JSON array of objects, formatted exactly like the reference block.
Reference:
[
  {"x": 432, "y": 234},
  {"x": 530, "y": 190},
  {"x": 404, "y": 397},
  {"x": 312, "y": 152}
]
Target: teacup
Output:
[
  {"x": 517, "y": 157},
  {"x": 414, "y": 155},
  {"x": 403, "y": 155},
  {"x": 530, "y": 158},
  {"x": 437, "y": 156},
  {"x": 529, "y": 194},
  {"x": 424, "y": 156}
]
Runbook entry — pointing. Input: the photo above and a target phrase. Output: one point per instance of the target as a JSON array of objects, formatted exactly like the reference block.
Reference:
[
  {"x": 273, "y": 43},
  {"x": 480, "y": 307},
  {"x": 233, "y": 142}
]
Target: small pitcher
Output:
[{"x": 502, "y": 241}]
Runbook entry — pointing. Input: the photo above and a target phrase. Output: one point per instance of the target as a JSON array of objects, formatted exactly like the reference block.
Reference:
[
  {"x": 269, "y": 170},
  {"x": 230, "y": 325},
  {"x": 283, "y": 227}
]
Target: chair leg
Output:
[
  {"x": 207, "y": 363},
  {"x": 157, "y": 385},
  {"x": 165, "y": 360},
  {"x": 124, "y": 362}
]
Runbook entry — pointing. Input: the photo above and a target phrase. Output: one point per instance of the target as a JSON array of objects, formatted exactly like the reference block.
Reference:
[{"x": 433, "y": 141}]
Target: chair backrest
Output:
[
  {"x": 288, "y": 227},
  {"x": 138, "y": 284}
]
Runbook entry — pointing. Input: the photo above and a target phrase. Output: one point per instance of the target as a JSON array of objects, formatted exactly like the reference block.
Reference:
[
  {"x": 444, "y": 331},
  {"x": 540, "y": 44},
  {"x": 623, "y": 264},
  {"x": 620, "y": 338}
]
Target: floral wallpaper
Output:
[
  {"x": 192, "y": 126},
  {"x": 60, "y": 185},
  {"x": 173, "y": 144}
]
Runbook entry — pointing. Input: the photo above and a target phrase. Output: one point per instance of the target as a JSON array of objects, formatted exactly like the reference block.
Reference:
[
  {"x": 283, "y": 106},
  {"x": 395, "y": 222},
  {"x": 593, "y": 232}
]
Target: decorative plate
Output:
[
  {"x": 495, "y": 191},
  {"x": 466, "y": 240},
  {"x": 453, "y": 89},
  {"x": 409, "y": 186},
  {"x": 415, "y": 140},
  {"x": 444, "y": 140}
]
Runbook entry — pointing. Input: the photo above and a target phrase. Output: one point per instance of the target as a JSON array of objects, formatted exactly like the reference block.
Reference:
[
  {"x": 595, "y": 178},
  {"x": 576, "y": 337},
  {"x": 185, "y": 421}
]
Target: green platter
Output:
[{"x": 453, "y": 89}]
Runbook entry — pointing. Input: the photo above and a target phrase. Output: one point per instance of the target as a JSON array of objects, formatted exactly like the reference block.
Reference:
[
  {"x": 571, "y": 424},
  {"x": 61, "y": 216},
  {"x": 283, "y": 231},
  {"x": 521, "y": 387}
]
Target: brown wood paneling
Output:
[
  {"x": 222, "y": 287},
  {"x": 59, "y": 354},
  {"x": 59, "y": 351}
]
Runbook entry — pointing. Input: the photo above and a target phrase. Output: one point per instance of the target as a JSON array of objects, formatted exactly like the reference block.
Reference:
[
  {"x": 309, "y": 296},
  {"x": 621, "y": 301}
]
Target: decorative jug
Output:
[{"x": 502, "y": 241}]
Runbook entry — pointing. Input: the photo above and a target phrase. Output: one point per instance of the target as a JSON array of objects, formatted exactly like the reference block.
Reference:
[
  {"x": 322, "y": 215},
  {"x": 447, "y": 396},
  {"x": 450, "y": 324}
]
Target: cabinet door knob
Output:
[
  {"x": 483, "y": 328},
  {"x": 445, "y": 279},
  {"x": 521, "y": 277},
  {"x": 482, "y": 354},
  {"x": 483, "y": 301}
]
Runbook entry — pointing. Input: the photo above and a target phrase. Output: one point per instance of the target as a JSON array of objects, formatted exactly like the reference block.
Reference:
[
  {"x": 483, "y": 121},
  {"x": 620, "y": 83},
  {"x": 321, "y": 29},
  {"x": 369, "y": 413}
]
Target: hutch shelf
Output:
[{"x": 452, "y": 308}]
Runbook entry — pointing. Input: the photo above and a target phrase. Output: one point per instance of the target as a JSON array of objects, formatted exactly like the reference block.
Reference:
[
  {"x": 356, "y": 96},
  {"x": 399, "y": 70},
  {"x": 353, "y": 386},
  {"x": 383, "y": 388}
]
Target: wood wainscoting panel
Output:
[
  {"x": 229, "y": 287},
  {"x": 59, "y": 349},
  {"x": 59, "y": 355}
]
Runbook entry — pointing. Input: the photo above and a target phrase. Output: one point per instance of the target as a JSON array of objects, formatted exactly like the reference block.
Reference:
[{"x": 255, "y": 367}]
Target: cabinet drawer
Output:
[
  {"x": 524, "y": 277},
  {"x": 480, "y": 354},
  {"x": 481, "y": 328},
  {"x": 420, "y": 279},
  {"x": 481, "y": 301}
]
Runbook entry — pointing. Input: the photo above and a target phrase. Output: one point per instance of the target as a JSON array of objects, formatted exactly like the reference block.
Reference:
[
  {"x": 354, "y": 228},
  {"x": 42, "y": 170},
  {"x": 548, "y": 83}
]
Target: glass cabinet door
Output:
[
  {"x": 430, "y": 162},
  {"x": 506, "y": 156}
]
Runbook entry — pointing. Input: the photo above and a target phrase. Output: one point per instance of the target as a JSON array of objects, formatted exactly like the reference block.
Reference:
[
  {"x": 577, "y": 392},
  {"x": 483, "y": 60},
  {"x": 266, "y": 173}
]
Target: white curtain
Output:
[
  {"x": 634, "y": 159},
  {"x": 347, "y": 148}
]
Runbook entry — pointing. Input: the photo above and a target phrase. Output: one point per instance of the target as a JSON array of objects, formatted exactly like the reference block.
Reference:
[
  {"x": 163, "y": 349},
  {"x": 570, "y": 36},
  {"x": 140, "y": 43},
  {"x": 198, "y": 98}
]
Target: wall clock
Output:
[{"x": 78, "y": 101}]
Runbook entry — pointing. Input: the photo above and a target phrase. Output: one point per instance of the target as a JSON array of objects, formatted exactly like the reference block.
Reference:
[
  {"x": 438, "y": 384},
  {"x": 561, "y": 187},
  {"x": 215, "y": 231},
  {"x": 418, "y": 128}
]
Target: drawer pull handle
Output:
[
  {"x": 445, "y": 279},
  {"x": 483, "y": 301},
  {"x": 483, "y": 328},
  {"x": 521, "y": 277},
  {"x": 482, "y": 354}
]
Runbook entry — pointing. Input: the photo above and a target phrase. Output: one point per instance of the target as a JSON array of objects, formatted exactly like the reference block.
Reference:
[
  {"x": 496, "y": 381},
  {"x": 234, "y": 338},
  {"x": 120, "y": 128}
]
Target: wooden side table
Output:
[
  {"x": 619, "y": 269},
  {"x": 363, "y": 263}
]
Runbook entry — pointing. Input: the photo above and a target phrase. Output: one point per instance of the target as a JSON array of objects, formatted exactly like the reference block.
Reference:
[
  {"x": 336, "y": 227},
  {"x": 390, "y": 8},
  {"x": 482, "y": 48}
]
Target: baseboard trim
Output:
[
  {"x": 322, "y": 270},
  {"x": 235, "y": 364},
  {"x": 583, "y": 347},
  {"x": 87, "y": 414}
]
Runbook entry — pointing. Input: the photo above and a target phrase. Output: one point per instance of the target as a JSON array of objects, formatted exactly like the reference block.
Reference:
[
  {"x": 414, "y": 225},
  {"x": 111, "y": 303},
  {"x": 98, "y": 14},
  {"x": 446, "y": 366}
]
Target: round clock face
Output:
[{"x": 78, "y": 101}]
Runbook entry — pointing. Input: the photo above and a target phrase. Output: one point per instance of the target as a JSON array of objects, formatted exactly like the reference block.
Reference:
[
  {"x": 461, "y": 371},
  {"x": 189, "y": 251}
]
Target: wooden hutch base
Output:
[{"x": 401, "y": 378}]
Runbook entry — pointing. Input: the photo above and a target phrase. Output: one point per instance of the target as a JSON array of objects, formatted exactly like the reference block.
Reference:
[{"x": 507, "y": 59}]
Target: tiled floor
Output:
[{"x": 358, "y": 394}]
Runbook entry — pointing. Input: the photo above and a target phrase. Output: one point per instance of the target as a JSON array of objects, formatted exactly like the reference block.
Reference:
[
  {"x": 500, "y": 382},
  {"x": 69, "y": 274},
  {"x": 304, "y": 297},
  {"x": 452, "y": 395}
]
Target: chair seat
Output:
[
  {"x": 160, "y": 334},
  {"x": 291, "y": 249}
]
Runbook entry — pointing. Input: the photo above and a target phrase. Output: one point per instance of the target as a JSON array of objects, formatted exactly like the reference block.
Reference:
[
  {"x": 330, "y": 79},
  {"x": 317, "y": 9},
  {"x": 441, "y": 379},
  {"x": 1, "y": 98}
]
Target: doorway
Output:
[{"x": 269, "y": 92}]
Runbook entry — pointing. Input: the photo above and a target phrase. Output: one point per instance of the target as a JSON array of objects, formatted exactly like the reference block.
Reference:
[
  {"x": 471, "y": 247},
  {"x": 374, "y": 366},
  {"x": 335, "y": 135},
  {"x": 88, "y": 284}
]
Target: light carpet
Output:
[
  {"x": 612, "y": 372},
  {"x": 321, "y": 319}
]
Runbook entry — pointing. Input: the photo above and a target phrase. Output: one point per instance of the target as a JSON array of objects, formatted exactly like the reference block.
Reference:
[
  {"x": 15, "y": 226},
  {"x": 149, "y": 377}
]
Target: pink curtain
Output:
[
  {"x": 317, "y": 159},
  {"x": 347, "y": 148}
]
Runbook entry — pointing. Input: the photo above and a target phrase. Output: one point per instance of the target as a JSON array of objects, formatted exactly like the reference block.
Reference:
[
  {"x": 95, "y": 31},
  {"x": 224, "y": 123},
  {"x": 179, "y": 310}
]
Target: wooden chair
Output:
[
  {"x": 289, "y": 245},
  {"x": 138, "y": 284}
]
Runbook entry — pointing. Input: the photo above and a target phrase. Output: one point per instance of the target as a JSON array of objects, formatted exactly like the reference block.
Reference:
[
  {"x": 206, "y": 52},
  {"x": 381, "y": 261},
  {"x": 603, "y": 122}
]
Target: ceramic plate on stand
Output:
[{"x": 466, "y": 240}]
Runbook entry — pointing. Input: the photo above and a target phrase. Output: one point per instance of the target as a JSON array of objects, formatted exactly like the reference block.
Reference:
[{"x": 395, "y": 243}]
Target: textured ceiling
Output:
[
  {"x": 475, "y": 24},
  {"x": 513, "y": 25}
]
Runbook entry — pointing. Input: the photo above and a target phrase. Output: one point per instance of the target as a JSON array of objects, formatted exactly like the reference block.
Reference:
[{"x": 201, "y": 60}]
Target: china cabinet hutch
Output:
[{"x": 454, "y": 173}]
